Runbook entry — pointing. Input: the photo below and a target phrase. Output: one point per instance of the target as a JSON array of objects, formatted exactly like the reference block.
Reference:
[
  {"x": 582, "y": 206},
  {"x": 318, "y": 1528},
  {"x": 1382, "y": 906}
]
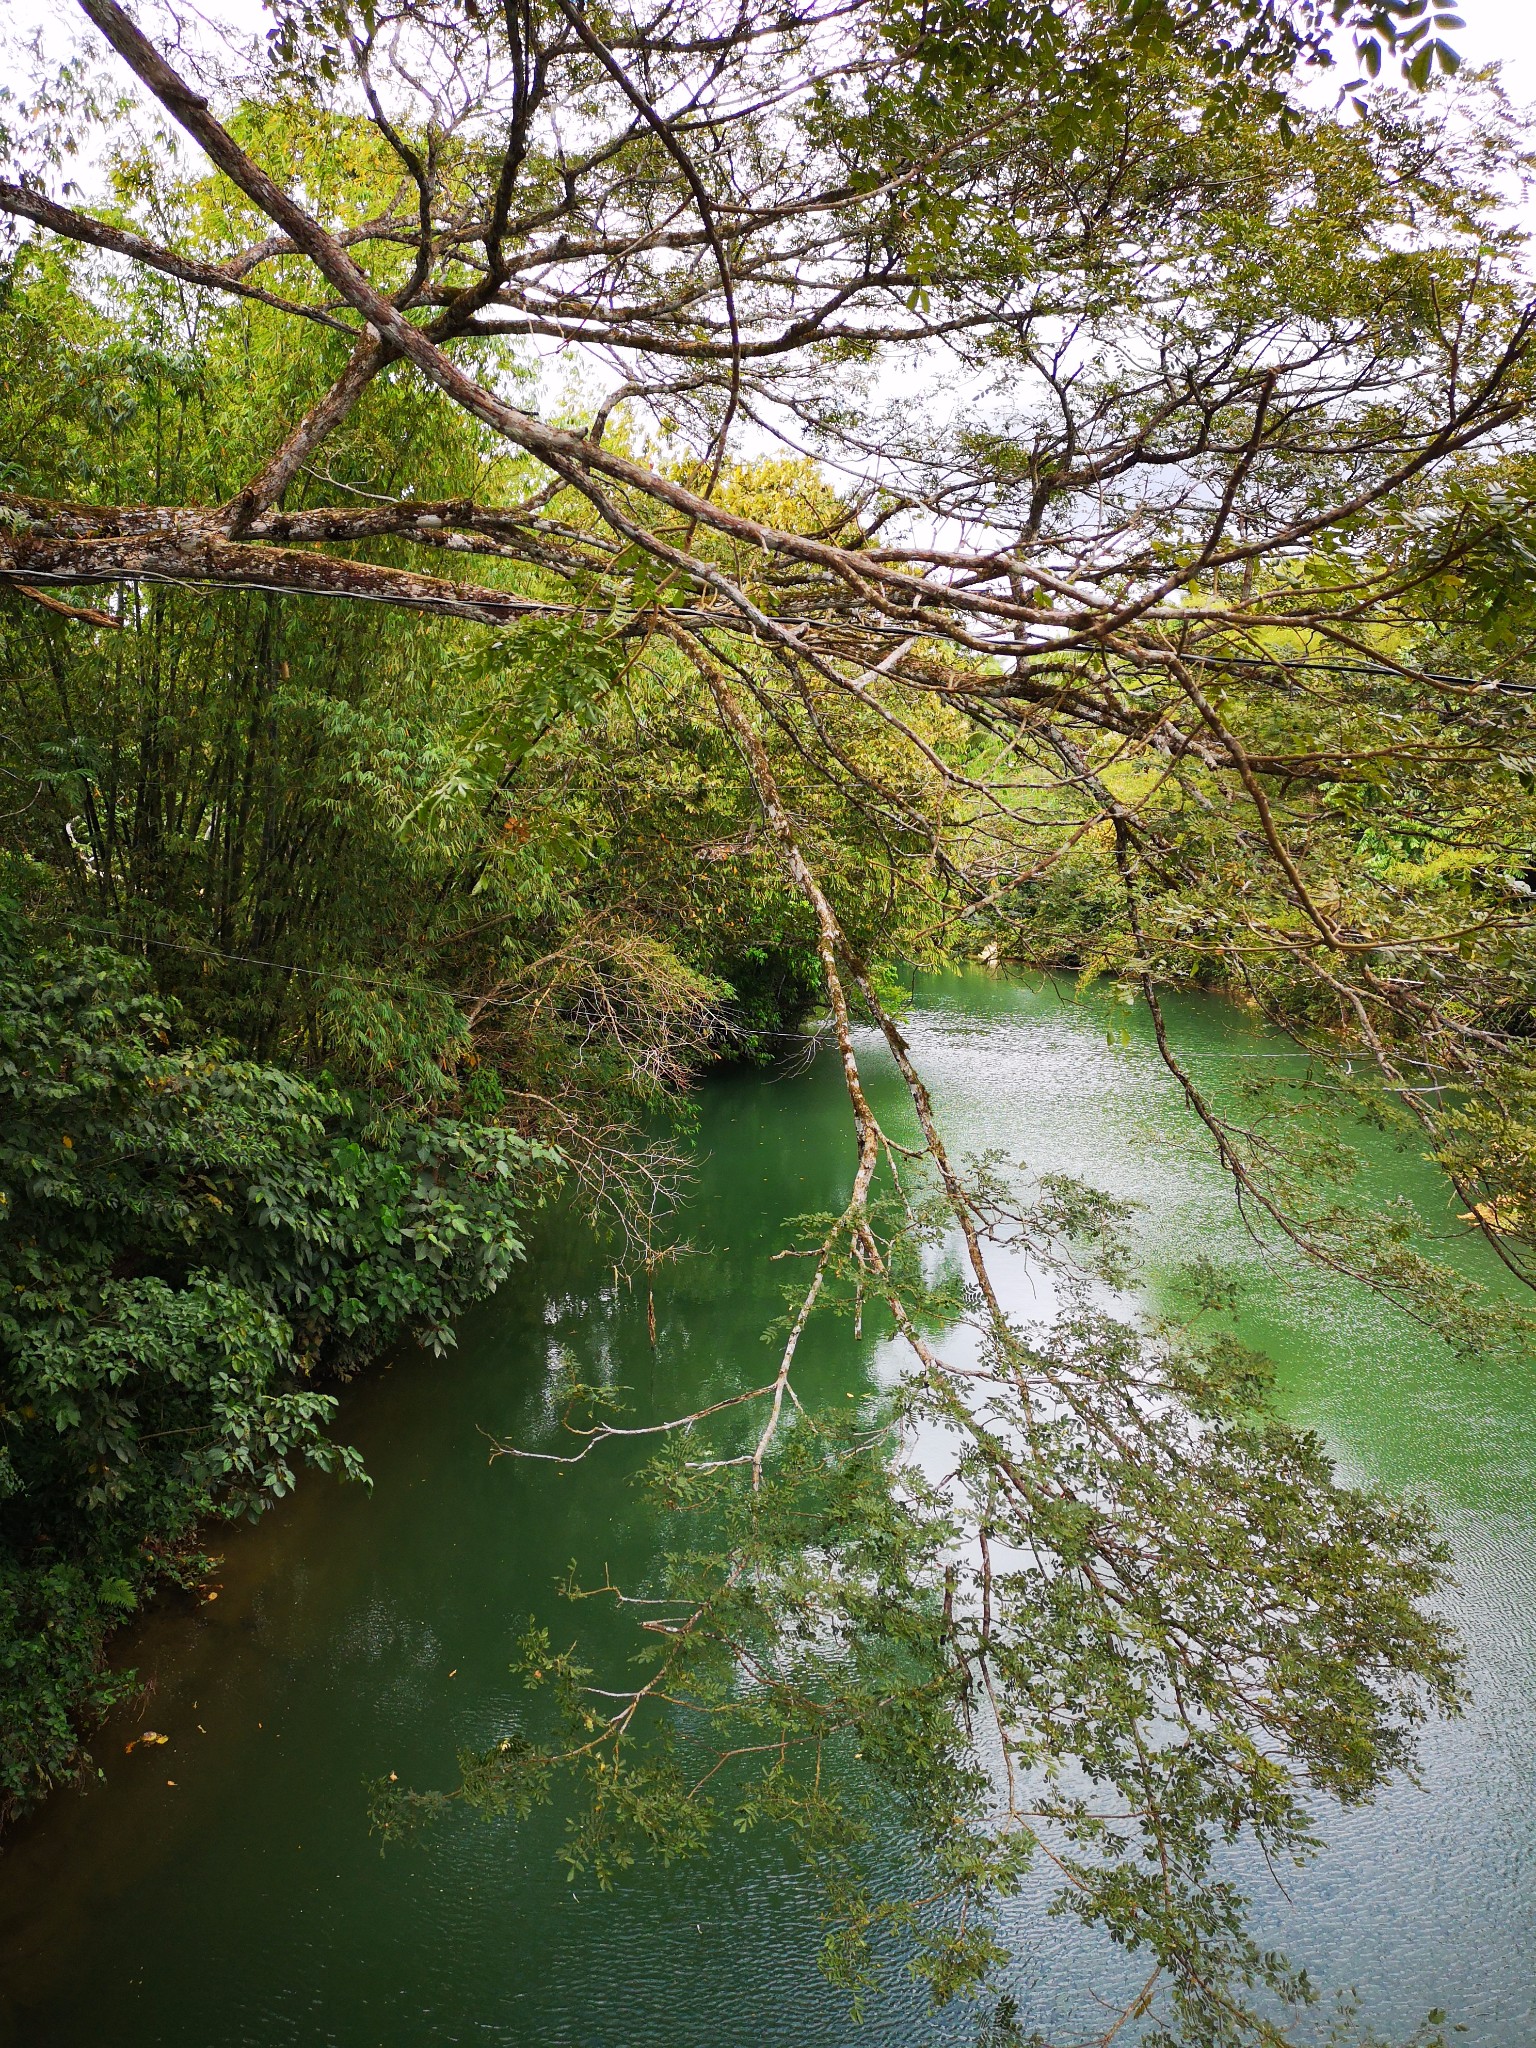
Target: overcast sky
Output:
[{"x": 1502, "y": 30}]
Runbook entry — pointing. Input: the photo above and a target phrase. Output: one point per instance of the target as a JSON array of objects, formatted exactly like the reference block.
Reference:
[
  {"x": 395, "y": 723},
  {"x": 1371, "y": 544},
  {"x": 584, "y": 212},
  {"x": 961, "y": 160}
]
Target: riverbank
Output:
[{"x": 194, "y": 1248}]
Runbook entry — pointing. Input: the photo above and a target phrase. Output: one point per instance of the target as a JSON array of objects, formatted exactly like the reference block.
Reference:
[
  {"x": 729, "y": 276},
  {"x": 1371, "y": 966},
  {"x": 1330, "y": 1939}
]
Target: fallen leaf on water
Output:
[
  {"x": 1501, "y": 1215},
  {"x": 152, "y": 1735},
  {"x": 130, "y": 1747}
]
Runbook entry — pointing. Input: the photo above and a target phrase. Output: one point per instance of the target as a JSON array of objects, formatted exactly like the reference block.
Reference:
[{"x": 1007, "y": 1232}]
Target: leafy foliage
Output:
[{"x": 189, "y": 1244}]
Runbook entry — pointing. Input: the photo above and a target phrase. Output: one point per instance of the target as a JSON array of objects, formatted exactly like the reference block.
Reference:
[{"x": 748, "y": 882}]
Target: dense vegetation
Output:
[
  {"x": 1179, "y": 632},
  {"x": 322, "y": 931},
  {"x": 473, "y": 883},
  {"x": 192, "y": 1242}
]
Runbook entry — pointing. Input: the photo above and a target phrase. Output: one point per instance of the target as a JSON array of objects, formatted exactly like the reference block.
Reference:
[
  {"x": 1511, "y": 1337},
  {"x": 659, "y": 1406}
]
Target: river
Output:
[{"x": 222, "y": 1890}]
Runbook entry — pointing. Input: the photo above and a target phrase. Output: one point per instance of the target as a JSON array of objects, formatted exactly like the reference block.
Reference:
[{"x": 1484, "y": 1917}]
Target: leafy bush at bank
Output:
[{"x": 191, "y": 1245}]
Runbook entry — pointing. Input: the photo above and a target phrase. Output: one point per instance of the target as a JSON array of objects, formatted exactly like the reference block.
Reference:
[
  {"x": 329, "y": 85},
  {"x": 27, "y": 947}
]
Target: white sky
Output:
[{"x": 1502, "y": 31}]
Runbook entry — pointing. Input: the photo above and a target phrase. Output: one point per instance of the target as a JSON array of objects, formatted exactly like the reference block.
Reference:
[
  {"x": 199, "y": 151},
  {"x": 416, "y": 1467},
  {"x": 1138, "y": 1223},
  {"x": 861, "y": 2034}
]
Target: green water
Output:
[{"x": 358, "y": 1633}]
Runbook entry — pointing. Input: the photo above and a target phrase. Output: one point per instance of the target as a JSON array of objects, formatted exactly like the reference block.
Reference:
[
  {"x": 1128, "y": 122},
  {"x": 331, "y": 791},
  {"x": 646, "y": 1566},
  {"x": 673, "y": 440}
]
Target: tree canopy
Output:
[{"x": 1218, "y": 431}]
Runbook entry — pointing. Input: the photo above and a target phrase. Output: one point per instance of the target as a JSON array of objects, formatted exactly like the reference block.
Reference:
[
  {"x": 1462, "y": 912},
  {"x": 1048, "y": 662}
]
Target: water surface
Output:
[{"x": 362, "y": 1632}]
